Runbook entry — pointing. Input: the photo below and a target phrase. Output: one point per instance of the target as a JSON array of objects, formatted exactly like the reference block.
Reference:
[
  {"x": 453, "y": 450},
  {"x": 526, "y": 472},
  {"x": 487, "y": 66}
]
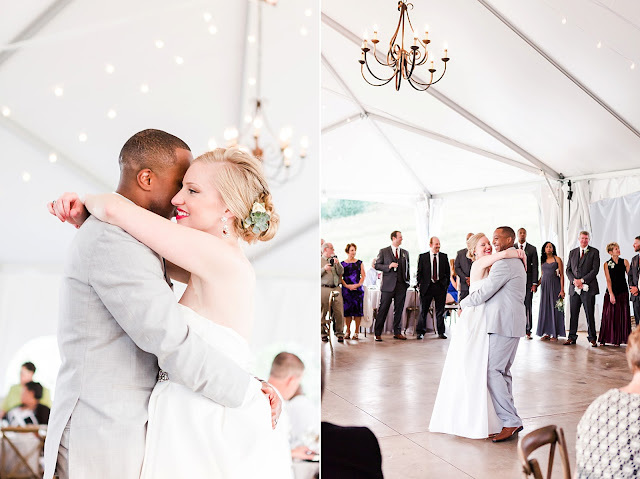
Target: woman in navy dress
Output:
[
  {"x": 352, "y": 290},
  {"x": 616, "y": 317},
  {"x": 550, "y": 318}
]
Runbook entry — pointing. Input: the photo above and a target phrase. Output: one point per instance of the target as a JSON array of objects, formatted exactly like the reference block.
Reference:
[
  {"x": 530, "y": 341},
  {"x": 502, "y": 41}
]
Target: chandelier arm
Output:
[
  {"x": 433, "y": 82},
  {"x": 413, "y": 65},
  {"x": 413, "y": 83},
  {"x": 374, "y": 75},
  {"x": 384, "y": 82}
]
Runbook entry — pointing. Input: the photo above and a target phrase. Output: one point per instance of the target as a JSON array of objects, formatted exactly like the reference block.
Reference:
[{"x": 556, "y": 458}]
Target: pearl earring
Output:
[{"x": 225, "y": 230}]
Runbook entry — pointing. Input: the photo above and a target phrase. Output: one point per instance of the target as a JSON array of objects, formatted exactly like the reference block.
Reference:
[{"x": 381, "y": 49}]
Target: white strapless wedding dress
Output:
[
  {"x": 189, "y": 435},
  {"x": 463, "y": 405}
]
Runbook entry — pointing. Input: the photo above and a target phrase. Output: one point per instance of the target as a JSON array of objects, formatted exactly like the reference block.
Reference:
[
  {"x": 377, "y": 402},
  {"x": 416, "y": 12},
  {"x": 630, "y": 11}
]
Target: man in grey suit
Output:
[
  {"x": 462, "y": 267},
  {"x": 503, "y": 294},
  {"x": 634, "y": 280},
  {"x": 393, "y": 261},
  {"x": 119, "y": 321},
  {"x": 582, "y": 269},
  {"x": 532, "y": 275}
]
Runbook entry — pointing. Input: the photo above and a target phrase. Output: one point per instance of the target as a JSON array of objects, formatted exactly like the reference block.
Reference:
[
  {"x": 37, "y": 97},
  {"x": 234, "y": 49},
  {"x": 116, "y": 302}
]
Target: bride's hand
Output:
[
  {"x": 70, "y": 208},
  {"x": 274, "y": 401}
]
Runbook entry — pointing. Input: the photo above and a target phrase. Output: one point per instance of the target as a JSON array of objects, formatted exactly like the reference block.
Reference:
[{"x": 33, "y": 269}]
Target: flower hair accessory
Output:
[{"x": 258, "y": 219}]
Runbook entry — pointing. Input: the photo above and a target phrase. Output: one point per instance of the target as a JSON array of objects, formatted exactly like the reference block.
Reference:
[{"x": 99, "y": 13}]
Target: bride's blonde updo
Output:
[
  {"x": 241, "y": 183},
  {"x": 472, "y": 242}
]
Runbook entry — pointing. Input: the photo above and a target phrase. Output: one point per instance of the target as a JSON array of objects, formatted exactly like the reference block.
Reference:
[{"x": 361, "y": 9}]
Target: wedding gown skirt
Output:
[
  {"x": 463, "y": 405},
  {"x": 189, "y": 435}
]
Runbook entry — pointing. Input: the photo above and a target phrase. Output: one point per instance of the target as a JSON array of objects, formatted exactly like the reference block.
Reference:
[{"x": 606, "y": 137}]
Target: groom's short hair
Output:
[
  {"x": 285, "y": 365},
  {"x": 153, "y": 149},
  {"x": 508, "y": 230}
]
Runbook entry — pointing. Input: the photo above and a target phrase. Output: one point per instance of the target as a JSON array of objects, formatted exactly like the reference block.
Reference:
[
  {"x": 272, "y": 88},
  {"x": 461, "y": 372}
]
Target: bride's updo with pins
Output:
[
  {"x": 241, "y": 183},
  {"x": 472, "y": 242}
]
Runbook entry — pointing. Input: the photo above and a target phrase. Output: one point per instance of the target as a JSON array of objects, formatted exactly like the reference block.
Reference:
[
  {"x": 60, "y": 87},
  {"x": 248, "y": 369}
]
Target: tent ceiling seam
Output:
[
  {"x": 559, "y": 67},
  {"x": 349, "y": 35},
  {"x": 363, "y": 111},
  {"x": 36, "y": 25}
]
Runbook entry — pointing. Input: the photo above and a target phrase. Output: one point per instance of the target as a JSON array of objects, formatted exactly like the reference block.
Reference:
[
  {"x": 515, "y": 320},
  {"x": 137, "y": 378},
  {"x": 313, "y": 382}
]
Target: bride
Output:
[
  {"x": 463, "y": 406},
  {"x": 224, "y": 198}
]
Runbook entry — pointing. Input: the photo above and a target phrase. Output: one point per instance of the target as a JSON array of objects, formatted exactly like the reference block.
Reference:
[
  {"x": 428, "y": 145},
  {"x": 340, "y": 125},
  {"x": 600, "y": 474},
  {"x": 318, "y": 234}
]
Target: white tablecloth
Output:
[{"x": 412, "y": 300}]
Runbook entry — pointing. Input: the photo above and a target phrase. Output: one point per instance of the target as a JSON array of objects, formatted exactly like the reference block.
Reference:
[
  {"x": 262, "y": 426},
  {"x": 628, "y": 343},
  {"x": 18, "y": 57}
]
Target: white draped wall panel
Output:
[
  {"x": 550, "y": 216},
  {"x": 436, "y": 216},
  {"x": 423, "y": 220}
]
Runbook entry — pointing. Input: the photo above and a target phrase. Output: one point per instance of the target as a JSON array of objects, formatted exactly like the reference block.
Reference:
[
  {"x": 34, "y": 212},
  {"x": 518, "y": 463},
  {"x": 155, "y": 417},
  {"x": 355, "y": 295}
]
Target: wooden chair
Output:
[
  {"x": 23, "y": 466},
  {"x": 551, "y": 435}
]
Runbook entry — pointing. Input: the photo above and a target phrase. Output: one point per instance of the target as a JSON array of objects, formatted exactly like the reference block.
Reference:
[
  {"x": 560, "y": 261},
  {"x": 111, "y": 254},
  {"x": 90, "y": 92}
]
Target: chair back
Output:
[
  {"x": 20, "y": 451},
  {"x": 551, "y": 435}
]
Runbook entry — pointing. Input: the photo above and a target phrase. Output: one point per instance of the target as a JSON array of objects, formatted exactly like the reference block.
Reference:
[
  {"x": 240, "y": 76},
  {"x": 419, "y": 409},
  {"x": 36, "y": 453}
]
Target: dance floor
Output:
[{"x": 391, "y": 386}]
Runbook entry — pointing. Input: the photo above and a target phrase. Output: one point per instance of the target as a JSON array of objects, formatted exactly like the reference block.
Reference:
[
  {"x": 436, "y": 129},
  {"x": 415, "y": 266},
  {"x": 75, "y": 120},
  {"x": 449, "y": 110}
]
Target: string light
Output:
[
  {"x": 109, "y": 68},
  {"x": 6, "y": 111},
  {"x": 53, "y": 158},
  {"x": 213, "y": 29},
  {"x": 26, "y": 176},
  {"x": 58, "y": 91},
  {"x": 207, "y": 17},
  {"x": 144, "y": 88},
  {"x": 159, "y": 44},
  {"x": 308, "y": 12},
  {"x": 179, "y": 60},
  {"x": 303, "y": 31},
  {"x": 212, "y": 144},
  {"x": 111, "y": 114},
  {"x": 82, "y": 137}
]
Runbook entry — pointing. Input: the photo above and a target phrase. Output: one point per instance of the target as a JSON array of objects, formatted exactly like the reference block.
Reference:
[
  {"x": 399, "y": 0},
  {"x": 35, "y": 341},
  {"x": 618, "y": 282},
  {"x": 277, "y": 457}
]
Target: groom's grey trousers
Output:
[{"x": 502, "y": 352}]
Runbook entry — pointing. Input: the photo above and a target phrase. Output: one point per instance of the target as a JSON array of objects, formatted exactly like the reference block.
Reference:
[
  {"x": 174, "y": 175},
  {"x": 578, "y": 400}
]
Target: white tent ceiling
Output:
[
  {"x": 68, "y": 44},
  {"x": 522, "y": 88}
]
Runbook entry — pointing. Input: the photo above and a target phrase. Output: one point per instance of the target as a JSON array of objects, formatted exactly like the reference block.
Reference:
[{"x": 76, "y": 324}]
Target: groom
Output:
[
  {"x": 503, "y": 294},
  {"x": 119, "y": 320}
]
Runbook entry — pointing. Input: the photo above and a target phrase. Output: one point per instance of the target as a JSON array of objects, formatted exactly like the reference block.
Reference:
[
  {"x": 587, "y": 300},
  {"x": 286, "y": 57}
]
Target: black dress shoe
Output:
[
  {"x": 378, "y": 338},
  {"x": 442, "y": 336},
  {"x": 594, "y": 344},
  {"x": 420, "y": 336},
  {"x": 568, "y": 342},
  {"x": 341, "y": 339}
]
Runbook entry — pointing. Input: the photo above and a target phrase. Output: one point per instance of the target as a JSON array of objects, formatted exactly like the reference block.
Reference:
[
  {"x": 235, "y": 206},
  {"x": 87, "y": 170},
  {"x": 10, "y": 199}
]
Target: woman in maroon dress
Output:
[
  {"x": 352, "y": 290},
  {"x": 616, "y": 317}
]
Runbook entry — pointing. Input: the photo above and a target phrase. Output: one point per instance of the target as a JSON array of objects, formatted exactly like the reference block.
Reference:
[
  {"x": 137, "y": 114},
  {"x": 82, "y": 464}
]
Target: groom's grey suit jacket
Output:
[
  {"x": 118, "y": 320},
  {"x": 503, "y": 292}
]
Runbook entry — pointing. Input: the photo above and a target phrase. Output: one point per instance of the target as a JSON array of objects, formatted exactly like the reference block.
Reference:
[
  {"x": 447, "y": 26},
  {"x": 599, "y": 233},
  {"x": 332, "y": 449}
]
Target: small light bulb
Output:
[
  {"x": 159, "y": 44},
  {"x": 633, "y": 66},
  {"x": 251, "y": 39},
  {"x": 179, "y": 60},
  {"x": 144, "y": 88},
  {"x": 26, "y": 176},
  {"x": 213, "y": 144},
  {"x": 58, "y": 91},
  {"x": 564, "y": 20},
  {"x": 213, "y": 29},
  {"x": 248, "y": 119},
  {"x": 599, "y": 45},
  {"x": 109, "y": 68},
  {"x": 257, "y": 123},
  {"x": 53, "y": 158},
  {"x": 252, "y": 81},
  {"x": 207, "y": 17},
  {"x": 303, "y": 31},
  {"x": 82, "y": 137},
  {"x": 308, "y": 12},
  {"x": 111, "y": 114},
  {"x": 6, "y": 111},
  {"x": 304, "y": 142}
]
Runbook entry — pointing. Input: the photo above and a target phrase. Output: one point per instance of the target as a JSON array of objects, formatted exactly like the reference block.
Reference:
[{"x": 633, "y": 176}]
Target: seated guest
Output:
[
  {"x": 12, "y": 399},
  {"x": 352, "y": 290},
  {"x": 607, "y": 442},
  {"x": 30, "y": 411},
  {"x": 616, "y": 317},
  {"x": 371, "y": 278},
  {"x": 452, "y": 290},
  {"x": 300, "y": 415},
  {"x": 349, "y": 452}
]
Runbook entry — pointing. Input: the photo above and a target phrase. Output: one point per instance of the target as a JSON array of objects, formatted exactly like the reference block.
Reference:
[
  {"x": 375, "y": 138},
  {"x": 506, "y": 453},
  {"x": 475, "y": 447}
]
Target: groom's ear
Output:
[{"x": 144, "y": 179}]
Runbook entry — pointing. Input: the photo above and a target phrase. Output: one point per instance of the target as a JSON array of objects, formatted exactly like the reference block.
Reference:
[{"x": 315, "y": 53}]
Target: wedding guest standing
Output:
[
  {"x": 454, "y": 286},
  {"x": 607, "y": 441},
  {"x": 330, "y": 295},
  {"x": 582, "y": 269},
  {"x": 634, "y": 280},
  {"x": 550, "y": 317},
  {"x": 371, "y": 278},
  {"x": 532, "y": 275},
  {"x": 463, "y": 270},
  {"x": 433, "y": 279},
  {"x": 616, "y": 323},
  {"x": 352, "y": 290},
  {"x": 393, "y": 261}
]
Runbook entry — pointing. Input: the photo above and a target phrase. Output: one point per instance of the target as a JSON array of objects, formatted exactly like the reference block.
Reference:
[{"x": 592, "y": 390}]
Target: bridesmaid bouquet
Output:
[{"x": 560, "y": 305}]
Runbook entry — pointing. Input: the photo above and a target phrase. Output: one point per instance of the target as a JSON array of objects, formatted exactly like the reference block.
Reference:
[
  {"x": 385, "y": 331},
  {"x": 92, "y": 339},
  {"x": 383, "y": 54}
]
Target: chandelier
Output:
[
  {"x": 401, "y": 60},
  {"x": 281, "y": 160}
]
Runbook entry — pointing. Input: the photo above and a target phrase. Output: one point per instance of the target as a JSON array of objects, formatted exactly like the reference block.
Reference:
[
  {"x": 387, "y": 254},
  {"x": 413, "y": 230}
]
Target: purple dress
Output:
[
  {"x": 616, "y": 318},
  {"x": 352, "y": 299},
  {"x": 550, "y": 319}
]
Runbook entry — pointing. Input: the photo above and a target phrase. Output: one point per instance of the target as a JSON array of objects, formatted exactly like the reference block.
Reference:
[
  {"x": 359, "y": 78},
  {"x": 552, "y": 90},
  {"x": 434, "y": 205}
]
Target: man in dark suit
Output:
[
  {"x": 532, "y": 274},
  {"x": 350, "y": 452},
  {"x": 393, "y": 261},
  {"x": 582, "y": 269},
  {"x": 462, "y": 267},
  {"x": 433, "y": 281},
  {"x": 634, "y": 280}
]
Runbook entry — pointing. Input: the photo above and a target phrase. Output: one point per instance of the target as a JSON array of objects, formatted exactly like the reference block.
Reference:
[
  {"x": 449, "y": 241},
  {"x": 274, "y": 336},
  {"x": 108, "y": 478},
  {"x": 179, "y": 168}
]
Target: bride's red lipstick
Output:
[{"x": 181, "y": 214}]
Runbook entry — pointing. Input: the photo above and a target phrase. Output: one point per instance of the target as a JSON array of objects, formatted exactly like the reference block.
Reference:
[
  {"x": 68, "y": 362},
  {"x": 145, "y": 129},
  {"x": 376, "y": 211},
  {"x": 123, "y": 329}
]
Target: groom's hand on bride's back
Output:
[
  {"x": 274, "y": 401},
  {"x": 69, "y": 208}
]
